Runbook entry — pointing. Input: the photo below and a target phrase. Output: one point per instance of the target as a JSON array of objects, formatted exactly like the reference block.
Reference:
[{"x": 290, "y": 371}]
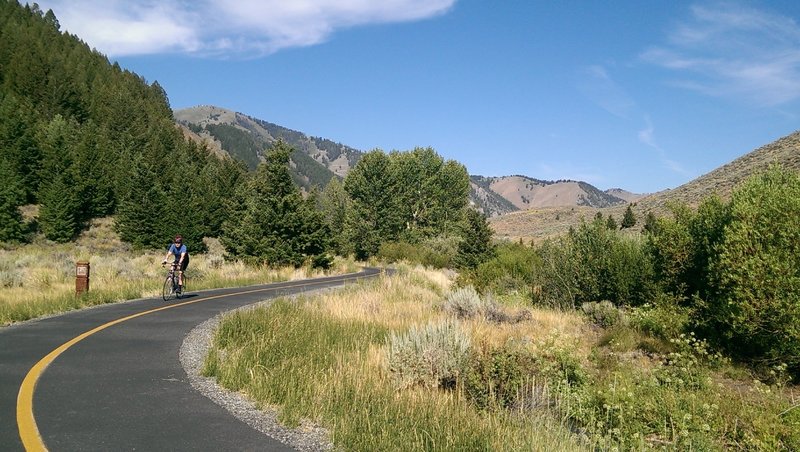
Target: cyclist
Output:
[{"x": 180, "y": 257}]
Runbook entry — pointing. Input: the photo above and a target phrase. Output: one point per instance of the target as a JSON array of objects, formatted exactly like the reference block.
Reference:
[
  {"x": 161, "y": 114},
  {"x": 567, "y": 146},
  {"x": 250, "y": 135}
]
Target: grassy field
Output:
[
  {"x": 525, "y": 379},
  {"x": 38, "y": 279}
]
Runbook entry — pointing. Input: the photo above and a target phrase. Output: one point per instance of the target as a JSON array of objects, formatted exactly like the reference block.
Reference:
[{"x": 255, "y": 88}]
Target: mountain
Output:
[
  {"x": 537, "y": 224},
  {"x": 316, "y": 160},
  {"x": 525, "y": 193},
  {"x": 486, "y": 200},
  {"x": 624, "y": 195}
]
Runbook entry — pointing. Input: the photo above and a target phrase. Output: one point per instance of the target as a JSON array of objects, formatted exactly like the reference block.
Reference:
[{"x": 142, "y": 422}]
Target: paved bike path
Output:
[{"x": 123, "y": 388}]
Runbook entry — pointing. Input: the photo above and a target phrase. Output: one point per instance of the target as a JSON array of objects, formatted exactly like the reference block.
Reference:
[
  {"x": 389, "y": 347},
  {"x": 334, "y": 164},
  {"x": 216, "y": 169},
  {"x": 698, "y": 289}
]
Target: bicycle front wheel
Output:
[{"x": 169, "y": 289}]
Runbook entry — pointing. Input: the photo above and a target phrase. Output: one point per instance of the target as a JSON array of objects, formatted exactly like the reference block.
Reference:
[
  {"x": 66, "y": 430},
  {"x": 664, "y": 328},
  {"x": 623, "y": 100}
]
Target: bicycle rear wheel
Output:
[{"x": 169, "y": 289}]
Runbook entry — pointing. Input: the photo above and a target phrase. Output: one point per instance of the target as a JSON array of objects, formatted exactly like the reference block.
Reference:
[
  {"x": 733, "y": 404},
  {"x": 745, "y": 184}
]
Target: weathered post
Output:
[{"x": 81, "y": 278}]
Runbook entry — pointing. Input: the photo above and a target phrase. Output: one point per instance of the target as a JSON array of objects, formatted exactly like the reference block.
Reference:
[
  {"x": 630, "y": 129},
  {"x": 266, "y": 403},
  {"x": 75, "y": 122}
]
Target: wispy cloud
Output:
[
  {"x": 734, "y": 51},
  {"x": 244, "y": 28},
  {"x": 647, "y": 136},
  {"x": 596, "y": 84}
]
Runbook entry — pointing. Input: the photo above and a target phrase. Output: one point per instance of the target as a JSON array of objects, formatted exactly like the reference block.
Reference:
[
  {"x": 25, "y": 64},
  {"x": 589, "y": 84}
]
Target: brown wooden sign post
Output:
[{"x": 81, "y": 278}]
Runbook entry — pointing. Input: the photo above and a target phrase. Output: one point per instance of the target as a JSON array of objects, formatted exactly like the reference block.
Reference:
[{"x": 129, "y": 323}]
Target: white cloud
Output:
[
  {"x": 212, "y": 27},
  {"x": 734, "y": 51}
]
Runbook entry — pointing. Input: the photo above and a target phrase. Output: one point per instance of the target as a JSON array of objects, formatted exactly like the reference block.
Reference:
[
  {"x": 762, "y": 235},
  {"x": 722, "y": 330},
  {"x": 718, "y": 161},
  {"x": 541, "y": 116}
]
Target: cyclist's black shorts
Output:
[{"x": 185, "y": 262}]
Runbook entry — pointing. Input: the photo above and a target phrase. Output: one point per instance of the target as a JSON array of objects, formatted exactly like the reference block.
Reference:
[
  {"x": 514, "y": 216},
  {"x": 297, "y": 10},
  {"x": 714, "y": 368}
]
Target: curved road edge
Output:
[
  {"x": 108, "y": 316},
  {"x": 307, "y": 437}
]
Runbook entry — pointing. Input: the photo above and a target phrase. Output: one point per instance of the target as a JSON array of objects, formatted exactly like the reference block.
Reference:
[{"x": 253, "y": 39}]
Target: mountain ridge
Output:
[{"x": 316, "y": 160}]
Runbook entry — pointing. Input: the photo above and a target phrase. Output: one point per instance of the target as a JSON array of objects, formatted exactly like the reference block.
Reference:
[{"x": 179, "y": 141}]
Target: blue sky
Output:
[{"x": 644, "y": 95}]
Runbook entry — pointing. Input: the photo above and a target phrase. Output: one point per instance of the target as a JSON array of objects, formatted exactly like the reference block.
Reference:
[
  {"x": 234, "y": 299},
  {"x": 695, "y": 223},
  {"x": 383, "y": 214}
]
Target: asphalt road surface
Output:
[{"x": 109, "y": 378}]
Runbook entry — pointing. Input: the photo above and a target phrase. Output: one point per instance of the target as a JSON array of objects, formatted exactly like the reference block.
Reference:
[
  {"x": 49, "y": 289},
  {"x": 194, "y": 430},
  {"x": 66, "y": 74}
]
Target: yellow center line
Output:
[{"x": 26, "y": 423}]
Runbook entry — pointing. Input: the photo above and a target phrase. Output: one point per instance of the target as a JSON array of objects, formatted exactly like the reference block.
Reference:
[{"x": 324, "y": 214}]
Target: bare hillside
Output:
[
  {"x": 528, "y": 193},
  {"x": 785, "y": 151}
]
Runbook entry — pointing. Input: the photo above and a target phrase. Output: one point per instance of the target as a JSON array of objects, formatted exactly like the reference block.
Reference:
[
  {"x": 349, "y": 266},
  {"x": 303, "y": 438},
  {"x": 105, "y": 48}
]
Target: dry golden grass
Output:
[
  {"x": 414, "y": 297},
  {"x": 39, "y": 278},
  {"x": 393, "y": 302},
  {"x": 564, "y": 329}
]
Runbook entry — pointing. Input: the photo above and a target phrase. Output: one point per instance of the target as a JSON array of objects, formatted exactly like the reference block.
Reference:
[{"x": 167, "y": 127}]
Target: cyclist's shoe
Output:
[{"x": 180, "y": 290}]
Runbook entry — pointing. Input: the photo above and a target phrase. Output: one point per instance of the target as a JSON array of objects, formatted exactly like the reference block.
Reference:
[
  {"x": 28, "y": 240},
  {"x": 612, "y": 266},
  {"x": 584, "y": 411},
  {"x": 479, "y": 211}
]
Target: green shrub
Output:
[
  {"x": 496, "y": 378},
  {"x": 431, "y": 356},
  {"x": 594, "y": 263},
  {"x": 756, "y": 315},
  {"x": 398, "y": 251},
  {"x": 555, "y": 275},
  {"x": 683, "y": 247},
  {"x": 558, "y": 364},
  {"x": 688, "y": 366},
  {"x": 511, "y": 269},
  {"x": 664, "y": 318},
  {"x": 603, "y": 313},
  {"x": 476, "y": 246},
  {"x": 466, "y": 303},
  {"x": 436, "y": 252},
  {"x": 518, "y": 377}
]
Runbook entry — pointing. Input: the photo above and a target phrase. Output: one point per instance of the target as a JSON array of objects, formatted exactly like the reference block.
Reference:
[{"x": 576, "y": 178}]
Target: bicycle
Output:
[{"x": 171, "y": 287}]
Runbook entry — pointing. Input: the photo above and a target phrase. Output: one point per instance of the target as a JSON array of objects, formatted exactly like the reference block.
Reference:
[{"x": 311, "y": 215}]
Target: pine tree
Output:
[
  {"x": 60, "y": 207},
  {"x": 12, "y": 196},
  {"x": 650, "y": 222},
  {"x": 18, "y": 144},
  {"x": 335, "y": 204},
  {"x": 629, "y": 219},
  {"x": 611, "y": 223},
  {"x": 220, "y": 180},
  {"x": 275, "y": 225},
  {"x": 476, "y": 243},
  {"x": 141, "y": 207},
  {"x": 94, "y": 166}
]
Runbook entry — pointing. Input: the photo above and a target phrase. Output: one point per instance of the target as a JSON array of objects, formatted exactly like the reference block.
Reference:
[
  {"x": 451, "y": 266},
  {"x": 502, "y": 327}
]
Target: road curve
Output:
[{"x": 109, "y": 378}]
